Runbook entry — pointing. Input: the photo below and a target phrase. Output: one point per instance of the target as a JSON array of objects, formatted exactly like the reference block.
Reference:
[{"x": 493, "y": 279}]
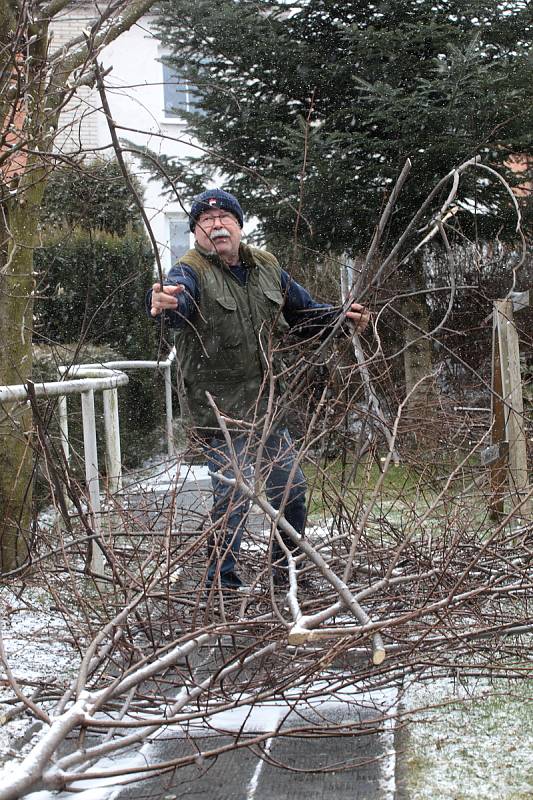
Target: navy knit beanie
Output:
[{"x": 215, "y": 198}]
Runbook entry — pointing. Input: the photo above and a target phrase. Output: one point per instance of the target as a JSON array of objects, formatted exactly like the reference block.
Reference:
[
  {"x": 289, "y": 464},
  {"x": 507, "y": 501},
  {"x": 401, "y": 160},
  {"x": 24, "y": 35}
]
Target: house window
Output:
[
  {"x": 178, "y": 235},
  {"x": 175, "y": 91},
  {"x": 179, "y": 94}
]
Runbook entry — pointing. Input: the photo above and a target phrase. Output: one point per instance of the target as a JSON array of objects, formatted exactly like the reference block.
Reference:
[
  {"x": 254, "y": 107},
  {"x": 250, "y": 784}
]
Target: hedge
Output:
[{"x": 91, "y": 287}]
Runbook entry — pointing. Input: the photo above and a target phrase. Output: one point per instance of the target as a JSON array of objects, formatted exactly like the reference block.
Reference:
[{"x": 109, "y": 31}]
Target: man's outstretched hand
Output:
[
  {"x": 165, "y": 300},
  {"x": 359, "y": 317}
]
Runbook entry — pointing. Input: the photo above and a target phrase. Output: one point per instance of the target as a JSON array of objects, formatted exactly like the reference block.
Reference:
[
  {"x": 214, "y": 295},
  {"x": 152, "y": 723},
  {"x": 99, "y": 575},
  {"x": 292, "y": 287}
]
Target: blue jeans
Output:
[{"x": 230, "y": 506}]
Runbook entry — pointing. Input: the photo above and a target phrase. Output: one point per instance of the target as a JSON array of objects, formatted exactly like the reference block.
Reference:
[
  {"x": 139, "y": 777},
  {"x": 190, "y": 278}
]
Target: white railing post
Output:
[
  {"x": 112, "y": 440},
  {"x": 168, "y": 408},
  {"x": 92, "y": 476},
  {"x": 165, "y": 366},
  {"x": 89, "y": 378},
  {"x": 63, "y": 427}
]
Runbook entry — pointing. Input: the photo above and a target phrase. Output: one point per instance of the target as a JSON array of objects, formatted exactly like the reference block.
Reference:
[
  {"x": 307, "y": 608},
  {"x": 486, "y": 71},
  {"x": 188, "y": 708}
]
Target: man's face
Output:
[{"x": 218, "y": 230}]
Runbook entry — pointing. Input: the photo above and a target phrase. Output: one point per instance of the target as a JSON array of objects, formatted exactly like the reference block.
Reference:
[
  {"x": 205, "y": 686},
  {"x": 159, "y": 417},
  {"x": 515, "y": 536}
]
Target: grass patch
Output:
[
  {"x": 476, "y": 745},
  {"x": 403, "y": 494},
  {"x": 336, "y": 481}
]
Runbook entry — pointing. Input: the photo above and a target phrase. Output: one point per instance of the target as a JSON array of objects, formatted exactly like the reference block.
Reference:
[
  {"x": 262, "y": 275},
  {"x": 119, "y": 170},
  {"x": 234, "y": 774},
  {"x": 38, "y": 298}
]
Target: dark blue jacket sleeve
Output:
[
  {"x": 305, "y": 316},
  {"x": 187, "y": 300}
]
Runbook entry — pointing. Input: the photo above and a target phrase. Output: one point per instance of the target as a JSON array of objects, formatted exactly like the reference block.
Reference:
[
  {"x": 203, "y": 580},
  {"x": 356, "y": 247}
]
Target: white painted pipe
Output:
[
  {"x": 92, "y": 476},
  {"x": 15, "y": 392},
  {"x": 96, "y": 369},
  {"x": 112, "y": 440},
  {"x": 63, "y": 427},
  {"x": 168, "y": 409}
]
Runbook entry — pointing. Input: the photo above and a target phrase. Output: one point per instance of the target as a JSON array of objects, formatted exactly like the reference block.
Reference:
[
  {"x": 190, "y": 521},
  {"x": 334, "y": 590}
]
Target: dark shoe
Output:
[
  {"x": 231, "y": 585},
  {"x": 280, "y": 577},
  {"x": 231, "y": 581},
  {"x": 305, "y": 581}
]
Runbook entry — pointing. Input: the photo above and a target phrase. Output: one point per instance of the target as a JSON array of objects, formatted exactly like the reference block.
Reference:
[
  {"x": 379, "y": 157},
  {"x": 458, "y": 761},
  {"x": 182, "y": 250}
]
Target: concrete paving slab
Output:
[
  {"x": 223, "y": 778},
  {"x": 343, "y": 767}
]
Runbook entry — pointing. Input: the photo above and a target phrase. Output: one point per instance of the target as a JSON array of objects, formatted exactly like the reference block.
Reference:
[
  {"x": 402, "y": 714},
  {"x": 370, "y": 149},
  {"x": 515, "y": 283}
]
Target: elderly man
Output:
[{"x": 231, "y": 304}]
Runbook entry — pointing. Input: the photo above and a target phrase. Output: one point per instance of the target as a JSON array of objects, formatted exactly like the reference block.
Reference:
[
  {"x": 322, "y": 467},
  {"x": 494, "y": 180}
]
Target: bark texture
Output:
[{"x": 34, "y": 85}]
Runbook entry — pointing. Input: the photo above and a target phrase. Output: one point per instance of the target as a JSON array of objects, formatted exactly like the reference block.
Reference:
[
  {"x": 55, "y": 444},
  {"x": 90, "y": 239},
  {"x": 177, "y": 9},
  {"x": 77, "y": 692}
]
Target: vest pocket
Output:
[
  {"x": 226, "y": 324},
  {"x": 274, "y": 308},
  {"x": 221, "y": 376},
  {"x": 227, "y": 303},
  {"x": 226, "y": 387},
  {"x": 275, "y": 296}
]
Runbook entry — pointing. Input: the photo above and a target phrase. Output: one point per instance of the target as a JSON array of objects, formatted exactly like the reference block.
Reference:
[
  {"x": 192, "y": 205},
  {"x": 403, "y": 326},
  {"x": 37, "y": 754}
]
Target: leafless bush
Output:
[
  {"x": 409, "y": 576},
  {"x": 407, "y": 573}
]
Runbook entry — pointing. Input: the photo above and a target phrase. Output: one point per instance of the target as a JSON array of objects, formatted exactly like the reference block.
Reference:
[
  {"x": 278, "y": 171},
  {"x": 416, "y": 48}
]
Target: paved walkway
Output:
[
  {"x": 241, "y": 775},
  {"x": 348, "y": 766},
  {"x": 343, "y": 767}
]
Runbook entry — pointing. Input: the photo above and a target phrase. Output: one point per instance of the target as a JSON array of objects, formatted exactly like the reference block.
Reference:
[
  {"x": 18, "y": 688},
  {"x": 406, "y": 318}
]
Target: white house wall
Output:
[{"x": 135, "y": 93}]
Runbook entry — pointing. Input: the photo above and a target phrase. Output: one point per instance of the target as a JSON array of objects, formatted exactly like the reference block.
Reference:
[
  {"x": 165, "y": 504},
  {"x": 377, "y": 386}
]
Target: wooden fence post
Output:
[{"x": 508, "y": 428}]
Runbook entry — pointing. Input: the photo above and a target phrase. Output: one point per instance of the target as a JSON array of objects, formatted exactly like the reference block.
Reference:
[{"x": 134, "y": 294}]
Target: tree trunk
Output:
[
  {"x": 27, "y": 125},
  {"x": 418, "y": 362},
  {"x": 16, "y": 323},
  {"x": 33, "y": 88}
]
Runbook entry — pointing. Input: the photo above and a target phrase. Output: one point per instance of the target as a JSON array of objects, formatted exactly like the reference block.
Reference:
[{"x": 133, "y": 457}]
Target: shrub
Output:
[
  {"x": 93, "y": 269},
  {"x": 92, "y": 286},
  {"x": 91, "y": 196}
]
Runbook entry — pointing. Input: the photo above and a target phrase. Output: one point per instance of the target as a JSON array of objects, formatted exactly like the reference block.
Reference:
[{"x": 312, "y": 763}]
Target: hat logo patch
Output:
[{"x": 212, "y": 201}]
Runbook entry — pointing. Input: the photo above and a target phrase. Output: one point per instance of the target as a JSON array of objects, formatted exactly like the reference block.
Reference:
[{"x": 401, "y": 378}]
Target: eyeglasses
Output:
[{"x": 209, "y": 221}]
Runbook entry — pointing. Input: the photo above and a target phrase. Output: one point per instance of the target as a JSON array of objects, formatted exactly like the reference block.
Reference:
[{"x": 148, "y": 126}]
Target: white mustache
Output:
[{"x": 219, "y": 232}]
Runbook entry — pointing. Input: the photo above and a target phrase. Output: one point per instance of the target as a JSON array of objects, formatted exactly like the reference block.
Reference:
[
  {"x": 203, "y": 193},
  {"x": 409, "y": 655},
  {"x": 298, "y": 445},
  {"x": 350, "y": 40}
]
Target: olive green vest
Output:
[{"x": 226, "y": 347}]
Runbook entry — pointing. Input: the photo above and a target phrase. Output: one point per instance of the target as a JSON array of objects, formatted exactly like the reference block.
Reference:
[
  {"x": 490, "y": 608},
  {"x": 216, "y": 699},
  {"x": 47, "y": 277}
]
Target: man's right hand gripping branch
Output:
[{"x": 165, "y": 300}]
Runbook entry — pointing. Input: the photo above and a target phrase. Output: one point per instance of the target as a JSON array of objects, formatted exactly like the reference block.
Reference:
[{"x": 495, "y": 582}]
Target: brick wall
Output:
[{"x": 78, "y": 130}]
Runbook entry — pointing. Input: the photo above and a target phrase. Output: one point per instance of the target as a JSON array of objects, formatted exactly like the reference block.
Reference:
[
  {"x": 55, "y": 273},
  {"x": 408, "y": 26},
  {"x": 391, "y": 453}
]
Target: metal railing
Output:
[{"x": 88, "y": 379}]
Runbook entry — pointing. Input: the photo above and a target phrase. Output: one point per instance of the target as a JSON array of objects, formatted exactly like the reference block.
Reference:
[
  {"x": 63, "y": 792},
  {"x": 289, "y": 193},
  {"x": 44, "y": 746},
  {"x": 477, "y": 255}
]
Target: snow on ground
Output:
[
  {"x": 37, "y": 648},
  {"x": 324, "y": 697},
  {"x": 264, "y": 718},
  {"x": 35, "y": 638},
  {"x": 166, "y": 476},
  {"x": 469, "y": 742},
  {"x": 477, "y": 745}
]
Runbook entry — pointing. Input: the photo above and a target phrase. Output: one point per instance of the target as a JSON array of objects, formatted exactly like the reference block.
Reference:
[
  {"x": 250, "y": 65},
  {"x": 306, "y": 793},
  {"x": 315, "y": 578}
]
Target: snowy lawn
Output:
[
  {"x": 476, "y": 743},
  {"x": 472, "y": 741},
  {"x": 327, "y": 485},
  {"x": 41, "y": 654}
]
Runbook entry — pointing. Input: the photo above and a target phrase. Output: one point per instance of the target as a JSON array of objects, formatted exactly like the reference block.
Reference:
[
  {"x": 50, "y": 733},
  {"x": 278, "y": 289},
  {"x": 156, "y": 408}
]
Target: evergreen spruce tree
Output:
[
  {"x": 314, "y": 107},
  {"x": 358, "y": 87}
]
